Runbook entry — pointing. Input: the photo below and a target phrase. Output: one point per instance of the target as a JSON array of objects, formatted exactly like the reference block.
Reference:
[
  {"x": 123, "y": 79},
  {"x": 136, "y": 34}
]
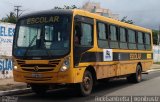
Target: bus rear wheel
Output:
[
  {"x": 136, "y": 77},
  {"x": 85, "y": 87}
]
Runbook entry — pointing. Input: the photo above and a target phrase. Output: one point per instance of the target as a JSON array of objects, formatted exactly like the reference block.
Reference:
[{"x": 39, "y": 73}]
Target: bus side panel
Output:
[
  {"x": 126, "y": 68},
  {"x": 106, "y": 71},
  {"x": 146, "y": 65},
  {"x": 78, "y": 74}
]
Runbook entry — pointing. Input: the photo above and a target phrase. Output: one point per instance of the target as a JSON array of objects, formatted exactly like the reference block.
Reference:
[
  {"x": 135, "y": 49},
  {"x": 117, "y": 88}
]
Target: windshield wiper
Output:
[
  {"x": 48, "y": 53},
  {"x": 30, "y": 45}
]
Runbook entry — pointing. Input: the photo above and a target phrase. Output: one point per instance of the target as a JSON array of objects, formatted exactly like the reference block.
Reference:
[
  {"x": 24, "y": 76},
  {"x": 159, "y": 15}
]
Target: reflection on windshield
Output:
[
  {"x": 42, "y": 39},
  {"x": 26, "y": 34}
]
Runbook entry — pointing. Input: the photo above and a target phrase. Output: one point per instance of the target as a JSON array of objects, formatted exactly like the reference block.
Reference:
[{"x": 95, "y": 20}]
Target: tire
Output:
[
  {"x": 85, "y": 87},
  {"x": 39, "y": 89},
  {"x": 136, "y": 77}
]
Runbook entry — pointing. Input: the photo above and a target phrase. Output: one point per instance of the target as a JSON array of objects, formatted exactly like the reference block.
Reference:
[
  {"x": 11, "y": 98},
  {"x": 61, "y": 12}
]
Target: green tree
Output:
[
  {"x": 155, "y": 36},
  {"x": 124, "y": 19},
  {"x": 10, "y": 18},
  {"x": 67, "y": 7}
]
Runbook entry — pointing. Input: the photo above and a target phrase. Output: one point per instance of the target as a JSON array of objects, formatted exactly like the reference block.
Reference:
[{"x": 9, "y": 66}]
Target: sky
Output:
[{"x": 144, "y": 13}]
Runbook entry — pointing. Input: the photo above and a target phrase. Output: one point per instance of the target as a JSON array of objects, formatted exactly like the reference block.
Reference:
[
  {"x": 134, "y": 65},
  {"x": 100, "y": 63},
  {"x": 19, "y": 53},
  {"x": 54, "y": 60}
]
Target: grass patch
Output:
[{"x": 156, "y": 62}]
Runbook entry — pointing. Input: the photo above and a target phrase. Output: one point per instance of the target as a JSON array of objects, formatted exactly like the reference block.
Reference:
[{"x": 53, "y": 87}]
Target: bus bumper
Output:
[{"x": 43, "y": 77}]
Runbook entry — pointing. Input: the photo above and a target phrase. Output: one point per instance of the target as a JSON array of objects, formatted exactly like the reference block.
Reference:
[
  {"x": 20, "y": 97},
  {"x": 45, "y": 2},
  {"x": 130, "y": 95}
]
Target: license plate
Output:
[{"x": 35, "y": 75}]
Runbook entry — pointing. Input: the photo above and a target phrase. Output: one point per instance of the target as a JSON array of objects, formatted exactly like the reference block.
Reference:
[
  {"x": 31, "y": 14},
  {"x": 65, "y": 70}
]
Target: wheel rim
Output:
[
  {"x": 87, "y": 83},
  {"x": 139, "y": 75}
]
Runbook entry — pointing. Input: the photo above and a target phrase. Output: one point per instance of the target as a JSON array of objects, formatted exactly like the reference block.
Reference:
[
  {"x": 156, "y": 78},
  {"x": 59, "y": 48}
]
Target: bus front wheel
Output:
[{"x": 85, "y": 87}]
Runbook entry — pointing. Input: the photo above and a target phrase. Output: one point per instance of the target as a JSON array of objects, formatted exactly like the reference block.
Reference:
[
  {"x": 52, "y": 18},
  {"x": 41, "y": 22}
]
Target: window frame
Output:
[
  {"x": 86, "y": 20},
  {"x": 125, "y": 35},
  {"x": 138, "y": 43},
  {"x": 117, "y": 36},
  {"x": 116, "y": 26},
  {"x": 106, "y": 28},
  {"x": 126, "y": 38},
  {"x": 145, "y": 44},
  {"x": 135, "y": 40},
  {"x": 107, "y": 34},
  {"x": 92, "y": 34}
]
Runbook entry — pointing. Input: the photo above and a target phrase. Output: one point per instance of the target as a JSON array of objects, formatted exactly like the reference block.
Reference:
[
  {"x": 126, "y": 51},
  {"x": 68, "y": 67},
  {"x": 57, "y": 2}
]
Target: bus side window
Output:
[
  {"x": 140, "y": 41},
  {"x": 102, "y": 31},
  {"x": 113, "y": 36},
  {"x": 132, "y": 39},
  {"x": 83, "y": 34},
  {"x": 77, "y": 35},
  {"x": 123, "y": 38},
  {"x": 87, "y": 35},
  {"x": 147, "y": 41}
]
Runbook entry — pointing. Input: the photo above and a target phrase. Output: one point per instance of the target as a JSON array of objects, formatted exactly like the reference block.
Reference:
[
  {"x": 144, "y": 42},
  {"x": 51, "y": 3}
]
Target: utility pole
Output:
[
  {"x": 17, "y": 9},
  {"x": 159, "y": 35}
]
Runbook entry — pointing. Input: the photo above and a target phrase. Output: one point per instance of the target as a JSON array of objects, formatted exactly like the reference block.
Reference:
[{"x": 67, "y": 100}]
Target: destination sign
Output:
[
  {"x": 40, "y": 20},
  {"x": 135, "y": 56}
]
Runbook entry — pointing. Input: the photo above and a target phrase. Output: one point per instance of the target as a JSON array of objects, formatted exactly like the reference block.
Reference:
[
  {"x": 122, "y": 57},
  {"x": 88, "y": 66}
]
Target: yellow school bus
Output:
[{"x": 78, "y": 48}]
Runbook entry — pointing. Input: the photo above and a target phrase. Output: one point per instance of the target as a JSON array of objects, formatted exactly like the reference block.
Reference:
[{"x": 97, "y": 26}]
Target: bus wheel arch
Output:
[
  {"x": 139, "y": 63},
  {"x": 93, "y": 72},
  {"x": 89, "y": 77}
]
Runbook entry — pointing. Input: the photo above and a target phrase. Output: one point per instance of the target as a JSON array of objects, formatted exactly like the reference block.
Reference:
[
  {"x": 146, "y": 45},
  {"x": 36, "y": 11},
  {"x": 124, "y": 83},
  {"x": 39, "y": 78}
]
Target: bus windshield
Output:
[{"x": 42, "y": 36}]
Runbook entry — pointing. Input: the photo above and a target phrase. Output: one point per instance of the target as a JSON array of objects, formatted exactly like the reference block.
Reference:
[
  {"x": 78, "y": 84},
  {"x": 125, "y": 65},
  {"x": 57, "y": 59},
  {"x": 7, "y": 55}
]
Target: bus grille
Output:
[
  {"x": 20, "y": 62},
  {"x": 39, "y": 70},
  {"x": 39, "y": 67},
  {"x": 38, "y": 79}
]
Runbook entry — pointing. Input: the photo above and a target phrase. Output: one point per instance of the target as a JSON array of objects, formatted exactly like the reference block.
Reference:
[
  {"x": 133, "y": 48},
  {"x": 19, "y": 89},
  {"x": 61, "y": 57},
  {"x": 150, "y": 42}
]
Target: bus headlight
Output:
[
  {"x": 15, "y": 67},
  {"x": 66, "y": 65}
]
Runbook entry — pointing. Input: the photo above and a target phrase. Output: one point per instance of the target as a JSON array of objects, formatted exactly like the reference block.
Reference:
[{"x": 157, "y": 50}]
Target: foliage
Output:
[
  {"x": 10, "y": 18},
  {"x": 154, "y": 32},
  {"x": 155, "y": 37},
  {"x": 67, "y": 7},
  {"x": 124, "y": 19}
]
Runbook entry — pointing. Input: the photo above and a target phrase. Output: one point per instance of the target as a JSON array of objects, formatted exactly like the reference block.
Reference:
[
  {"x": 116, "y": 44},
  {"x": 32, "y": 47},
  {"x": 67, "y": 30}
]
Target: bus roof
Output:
[
  {"x": 48, "y": 12},
  {"x": 110, "y": 20},
  {"x": 87, "y": 14}
]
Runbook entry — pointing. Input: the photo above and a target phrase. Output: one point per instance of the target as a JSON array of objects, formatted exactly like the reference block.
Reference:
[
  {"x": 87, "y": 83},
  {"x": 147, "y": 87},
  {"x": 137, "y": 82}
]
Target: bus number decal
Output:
[
  {"x": 135, "y": 56},
  {"x": 107, "y": 55}
]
